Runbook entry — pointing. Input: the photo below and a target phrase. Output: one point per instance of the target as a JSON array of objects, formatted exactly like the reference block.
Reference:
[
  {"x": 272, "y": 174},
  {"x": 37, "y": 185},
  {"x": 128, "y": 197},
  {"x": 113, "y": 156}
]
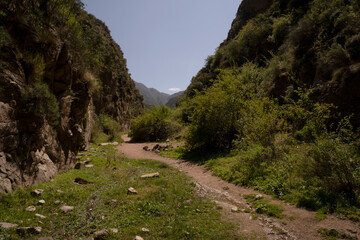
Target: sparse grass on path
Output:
[{"x": 168, "y": 205}]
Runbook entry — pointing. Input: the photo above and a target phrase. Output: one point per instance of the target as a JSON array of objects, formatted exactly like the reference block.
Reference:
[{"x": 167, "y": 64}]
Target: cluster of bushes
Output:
[
  {"x": 156, "y": 124},
  {"x": 105, "y": 129}
]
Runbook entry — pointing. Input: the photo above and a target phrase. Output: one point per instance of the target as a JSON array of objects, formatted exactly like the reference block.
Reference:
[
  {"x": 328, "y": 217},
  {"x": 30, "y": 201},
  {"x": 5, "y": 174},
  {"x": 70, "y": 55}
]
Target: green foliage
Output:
[
  {"x": 38, "y": 100},
  {"x": 155, "y": 124},
  {"x": 105, "y": 129},
  {"x": 263, "y": 206},
  {"x": 333, "y": 234},
  {"x": 168, "y": 206}
]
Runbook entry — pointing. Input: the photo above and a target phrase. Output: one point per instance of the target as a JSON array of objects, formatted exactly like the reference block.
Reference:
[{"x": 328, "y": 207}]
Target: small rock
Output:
[
  {"x": 146, "y": 148},
  {"x": 259, "y": 196},
  {"x": 40, "y": 216},
  {"x": 8, "y": 225},
  {"x": 115, "y": 143},
  {"x": 102, "y": 217},
  {"x": 113, "y": 201},
  {"x": 104, "y": 144},
  {"x": 151, "y": 175},
  {"x": 79, "y": 165},
  {"x": 57, "y": 202},
  {"x": 188, "y": 201},
  {"x": 59, "y": 191},
  {"x": 89, "y": 166},
  {"x": 31, "y": 209},
  {"x": 45, "y": 238},
  {"x": 37, "y": 192},
  {"x": 114, "y": 230},
  {"x": 145, "y": 230},
  {"x": 28, "y": 230},
  {"x": 226, "y": 188},
  {"x": 101, "y": 234},
  {"x": 234, "y": 209},
  {"x": 138, "y": 238},
  {"x": 41, "y": 202},
  {"x": 66, "y": 209},
  {"x": 88, "y": 160},
  {"x": 81, "y": 181},
  {"x": 132, "y": 191}
]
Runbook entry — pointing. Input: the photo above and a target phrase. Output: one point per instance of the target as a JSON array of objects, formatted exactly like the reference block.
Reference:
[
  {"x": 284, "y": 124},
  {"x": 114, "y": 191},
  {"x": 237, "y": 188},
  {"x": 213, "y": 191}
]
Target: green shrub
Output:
[
  {"x": 153, "y": 125},
  {"x": 105, "y": 129},
  {"x": 39, "y": 101}
]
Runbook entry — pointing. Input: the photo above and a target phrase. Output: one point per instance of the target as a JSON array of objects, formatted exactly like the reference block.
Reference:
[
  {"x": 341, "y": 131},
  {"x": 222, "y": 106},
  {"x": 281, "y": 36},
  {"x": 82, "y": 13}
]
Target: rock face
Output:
[{"x": 49, "y": 87}]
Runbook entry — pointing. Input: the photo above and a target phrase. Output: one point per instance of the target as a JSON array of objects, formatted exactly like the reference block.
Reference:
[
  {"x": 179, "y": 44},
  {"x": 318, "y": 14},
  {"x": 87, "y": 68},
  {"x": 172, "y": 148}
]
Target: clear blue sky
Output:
[{"x": 166, "y": 42}]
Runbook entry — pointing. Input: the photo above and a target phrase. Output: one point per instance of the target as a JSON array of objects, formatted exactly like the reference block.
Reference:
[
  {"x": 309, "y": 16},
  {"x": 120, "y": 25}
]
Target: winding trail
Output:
[{"x": 297, "y": 224}]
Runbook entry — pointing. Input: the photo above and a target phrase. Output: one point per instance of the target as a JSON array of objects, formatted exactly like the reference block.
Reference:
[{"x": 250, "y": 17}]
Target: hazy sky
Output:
[{"x": 166, "y": 42}]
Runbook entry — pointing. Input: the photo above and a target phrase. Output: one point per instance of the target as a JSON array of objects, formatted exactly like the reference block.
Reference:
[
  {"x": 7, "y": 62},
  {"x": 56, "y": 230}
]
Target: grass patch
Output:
[
  {"x": 333, "y": 234},
  {"x": 263, "y": 206},
  {"x": 162, "y": 204}
]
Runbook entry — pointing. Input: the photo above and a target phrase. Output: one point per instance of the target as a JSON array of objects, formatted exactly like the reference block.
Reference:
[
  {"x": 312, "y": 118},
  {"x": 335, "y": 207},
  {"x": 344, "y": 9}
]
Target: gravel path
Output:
[{"x": 297, "y": 224}]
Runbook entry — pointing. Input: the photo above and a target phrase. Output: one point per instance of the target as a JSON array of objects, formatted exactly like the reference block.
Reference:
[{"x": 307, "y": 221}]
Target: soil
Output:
[{"x": 298, "y": 223}]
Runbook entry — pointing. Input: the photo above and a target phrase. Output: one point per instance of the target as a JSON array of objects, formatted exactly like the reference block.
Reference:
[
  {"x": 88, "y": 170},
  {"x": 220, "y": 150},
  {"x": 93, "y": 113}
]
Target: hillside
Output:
[
  {"x": 311, "y": 45},
  {"x": 59, "y": 70},
  {"x": 153, "y": 97}
]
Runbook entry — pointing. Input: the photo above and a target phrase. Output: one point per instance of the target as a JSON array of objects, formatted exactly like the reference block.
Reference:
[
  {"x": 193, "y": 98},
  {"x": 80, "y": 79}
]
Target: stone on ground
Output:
[
  {"x": 114, "y": 230},
  {"x": 66, "y": 209},
  {"x": 37, "y": 192},
  {"x": 89, "y": 166},
  {"x": 7, "y": 225},
  {"x": 145, "y": 230},
  {"x": 81, "y": 181},
  {"x": 132, "y": 191},
  {"x": 40, "y": 216},
  {"x": 31, "y": 209},
  {"x": 41, "y": 202},
  {"x": 102, "y": 234},
  {"x": 138, "y": 238},
  {"x": 57, "y": 202},
  {"x": 151, "y": 175}
]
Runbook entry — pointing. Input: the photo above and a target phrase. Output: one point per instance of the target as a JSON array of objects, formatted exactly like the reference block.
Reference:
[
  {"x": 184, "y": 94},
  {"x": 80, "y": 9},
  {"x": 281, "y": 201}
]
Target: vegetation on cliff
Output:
[
  {"x": 60, "y": 70},
  {"x": 279, "y": 103}
]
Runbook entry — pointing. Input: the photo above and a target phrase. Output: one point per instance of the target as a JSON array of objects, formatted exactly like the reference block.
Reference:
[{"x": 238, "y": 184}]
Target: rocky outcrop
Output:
[{"x": 50, "y": 78}]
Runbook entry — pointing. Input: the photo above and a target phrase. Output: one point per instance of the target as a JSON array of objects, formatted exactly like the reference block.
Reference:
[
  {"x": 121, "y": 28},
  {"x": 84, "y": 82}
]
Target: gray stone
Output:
[
  {"x": 114, "y": 230},
  {"x": 8, "y": 225},
  {"x": 66, "y": 209},
  {"x": 138, "y": 238},
  {"x": 37, "y": 192},
  {"x": 132, "y": 191},
  {"x": 151, "y": 175},
  {"x": 101, "y": 234},
  {"x": 41, "y": 202},
  {"x": 40, "y": 216},
  {"x": 31, "y": 209},
  {"x": 145, "y": 230}
]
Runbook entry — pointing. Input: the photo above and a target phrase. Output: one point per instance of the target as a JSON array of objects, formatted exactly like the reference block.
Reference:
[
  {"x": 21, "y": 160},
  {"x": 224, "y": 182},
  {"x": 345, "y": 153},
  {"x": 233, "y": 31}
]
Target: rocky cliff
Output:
[
  {"x": 58, "y": 67},
  {"x": 311, "y": 45}
]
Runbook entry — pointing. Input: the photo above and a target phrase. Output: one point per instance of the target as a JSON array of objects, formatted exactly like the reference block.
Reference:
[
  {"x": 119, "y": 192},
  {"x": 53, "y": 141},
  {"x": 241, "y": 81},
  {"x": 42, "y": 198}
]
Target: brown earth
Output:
[{"x": 297, "y": 224}]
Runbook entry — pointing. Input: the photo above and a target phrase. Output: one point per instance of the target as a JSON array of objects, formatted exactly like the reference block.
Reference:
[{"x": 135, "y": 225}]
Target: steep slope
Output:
[
  {"x": 309, "y": 44},
  {"x": 152, "y": 96},
  {"x": 57, "y": 64}
]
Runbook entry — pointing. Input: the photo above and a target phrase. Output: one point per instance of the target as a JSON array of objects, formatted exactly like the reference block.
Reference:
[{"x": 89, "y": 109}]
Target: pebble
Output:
[
  {"x": 151, "y": 175},
  {"x": 138, "y": 238},
  {"x": 40, "y": 216},
  {"x": 37, "y": 192},
  {"x": 41, "y": 202},
  {"x": 89, "y": 166},
  {"x": 101, "y": 234},
  {"x": 145, "y": 230},
  {"x": 31, "y": 209},
  {"x": 114, "y": 230},
  {"x": 66, "y": 208},
  {"x": 132, "y": 191},
  {"x": 57, "y": 202}
]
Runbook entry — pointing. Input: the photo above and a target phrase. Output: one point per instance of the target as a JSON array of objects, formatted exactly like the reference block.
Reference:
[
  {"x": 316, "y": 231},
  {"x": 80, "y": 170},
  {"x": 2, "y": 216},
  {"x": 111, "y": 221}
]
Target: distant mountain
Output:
[
  {"x": 153, "y": 97},
  {"x": 174, "y": 98}
]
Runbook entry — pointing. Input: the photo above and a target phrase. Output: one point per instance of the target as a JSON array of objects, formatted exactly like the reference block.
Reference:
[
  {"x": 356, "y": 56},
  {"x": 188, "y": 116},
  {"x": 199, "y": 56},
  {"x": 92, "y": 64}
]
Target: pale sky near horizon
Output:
[{"x": 166, "y": 42}]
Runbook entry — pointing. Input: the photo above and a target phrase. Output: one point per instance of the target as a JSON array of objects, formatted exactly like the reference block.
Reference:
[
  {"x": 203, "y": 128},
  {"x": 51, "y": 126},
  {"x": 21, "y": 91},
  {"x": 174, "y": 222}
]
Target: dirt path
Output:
[{"x": 297, "y": 223}]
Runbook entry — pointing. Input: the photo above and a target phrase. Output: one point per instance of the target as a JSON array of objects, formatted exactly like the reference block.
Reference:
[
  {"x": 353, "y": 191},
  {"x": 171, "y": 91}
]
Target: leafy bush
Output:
[
  {"x": 39, "y": 101},
  {"x": 105, "y": 129},
  {"x": 153, "y": 125}
]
